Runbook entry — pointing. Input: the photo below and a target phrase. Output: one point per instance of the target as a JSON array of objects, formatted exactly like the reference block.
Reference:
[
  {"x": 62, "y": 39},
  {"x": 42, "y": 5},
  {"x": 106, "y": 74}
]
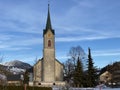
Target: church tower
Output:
[
  {"x": 48, "y": 51},
  {"x": 48, "y": 70}
]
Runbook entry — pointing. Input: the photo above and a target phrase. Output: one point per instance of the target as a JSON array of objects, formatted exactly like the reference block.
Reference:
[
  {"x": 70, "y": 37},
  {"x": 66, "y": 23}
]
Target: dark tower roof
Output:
[{"x": 48, "y": 23}]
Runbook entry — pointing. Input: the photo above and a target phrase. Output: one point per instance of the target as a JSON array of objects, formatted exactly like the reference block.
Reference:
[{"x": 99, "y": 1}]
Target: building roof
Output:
[
  {"x": 59, "y": 62},
  {"x": 14, "y": 77},
  {"x": 55, "y": 60}
]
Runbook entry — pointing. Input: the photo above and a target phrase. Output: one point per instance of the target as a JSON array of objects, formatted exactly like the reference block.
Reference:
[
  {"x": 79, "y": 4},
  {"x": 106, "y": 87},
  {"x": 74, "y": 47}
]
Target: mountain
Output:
[
  {"x": 18, "y": 64},
  {"x": 3, "y": 70},
  {"x": 15, "y": 67}
]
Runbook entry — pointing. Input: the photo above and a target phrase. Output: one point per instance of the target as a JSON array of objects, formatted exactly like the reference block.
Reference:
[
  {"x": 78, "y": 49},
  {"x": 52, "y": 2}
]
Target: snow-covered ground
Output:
[
  {"x": 95, "y": 89},
  {"x": 107, "y": 89},
  {"x": 86, "y": 89}
]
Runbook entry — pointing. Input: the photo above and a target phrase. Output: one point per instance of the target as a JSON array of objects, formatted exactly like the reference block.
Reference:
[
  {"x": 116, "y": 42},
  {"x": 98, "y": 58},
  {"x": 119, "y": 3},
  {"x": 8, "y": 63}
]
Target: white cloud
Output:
[
  {"x": 85, "y": 38},
  {"x": 18, "y": 42},
  {"x": 15, "y": 48},
  {"x": 21, "y": 17},
  {"x": 4, "y": 46},
  {"x": 22, "y": 23},
  {"x": 4, "y": 37},
  {"x": 114, "y": 52},
  {"x": 81, "y": 19}
]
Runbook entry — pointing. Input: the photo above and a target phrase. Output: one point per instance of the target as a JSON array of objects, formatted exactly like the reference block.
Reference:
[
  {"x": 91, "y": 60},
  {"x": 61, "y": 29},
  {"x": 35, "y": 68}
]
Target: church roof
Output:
[
  {"x": 55, "y": 60},
  {"x": 59, "y": 62},
  {"x": 48, "y": 23}
]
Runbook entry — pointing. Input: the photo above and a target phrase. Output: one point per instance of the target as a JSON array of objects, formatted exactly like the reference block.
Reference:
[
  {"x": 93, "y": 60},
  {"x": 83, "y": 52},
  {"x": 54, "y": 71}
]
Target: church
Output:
[{"x": 48, "y": 70}]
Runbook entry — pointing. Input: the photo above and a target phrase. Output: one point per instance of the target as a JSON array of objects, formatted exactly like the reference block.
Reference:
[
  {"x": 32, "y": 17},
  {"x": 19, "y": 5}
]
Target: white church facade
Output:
[{"x": 48, "y": 71}]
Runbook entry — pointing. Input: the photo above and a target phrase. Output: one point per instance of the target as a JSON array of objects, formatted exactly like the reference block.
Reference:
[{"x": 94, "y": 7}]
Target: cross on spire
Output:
[{"x": 48, "y": 2}]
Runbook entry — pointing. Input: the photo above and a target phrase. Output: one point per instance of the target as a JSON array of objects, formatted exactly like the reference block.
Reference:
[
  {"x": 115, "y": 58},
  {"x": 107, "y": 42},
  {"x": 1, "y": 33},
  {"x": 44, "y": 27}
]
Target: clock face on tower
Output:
[{"x": 49, "y": 35}]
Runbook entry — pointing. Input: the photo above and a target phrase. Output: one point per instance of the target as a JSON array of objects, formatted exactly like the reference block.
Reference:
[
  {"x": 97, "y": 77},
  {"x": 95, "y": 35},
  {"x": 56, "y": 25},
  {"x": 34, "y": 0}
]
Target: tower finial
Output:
[{"x": 48, "y": 3}]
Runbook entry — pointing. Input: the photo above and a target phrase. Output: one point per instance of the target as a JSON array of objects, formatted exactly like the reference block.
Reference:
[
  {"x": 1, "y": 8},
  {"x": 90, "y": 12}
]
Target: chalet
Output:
[{"x": 15, "y": 80}]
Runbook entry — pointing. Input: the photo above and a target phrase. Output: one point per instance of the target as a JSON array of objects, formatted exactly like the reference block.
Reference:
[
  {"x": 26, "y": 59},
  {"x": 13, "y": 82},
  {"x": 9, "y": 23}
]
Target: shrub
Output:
[{"x": 22, "y": 88}]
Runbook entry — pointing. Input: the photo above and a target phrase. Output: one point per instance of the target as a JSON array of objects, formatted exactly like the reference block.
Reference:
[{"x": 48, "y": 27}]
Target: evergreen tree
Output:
[
  {"x": 26, "y": 77},
  {"x": 78, "y": 75},
  {"x": 91, "y": 71},
  {"x": 71, "y": 64}
]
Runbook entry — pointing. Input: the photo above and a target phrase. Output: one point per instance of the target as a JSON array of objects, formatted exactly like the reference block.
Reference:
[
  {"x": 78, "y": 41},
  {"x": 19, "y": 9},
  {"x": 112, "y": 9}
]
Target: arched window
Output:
[{"x": 49, "y": 43}]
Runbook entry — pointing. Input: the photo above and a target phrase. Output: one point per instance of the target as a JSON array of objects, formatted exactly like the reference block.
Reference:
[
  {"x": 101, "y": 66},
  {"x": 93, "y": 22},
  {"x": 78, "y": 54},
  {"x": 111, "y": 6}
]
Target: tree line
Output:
[{"x": 79, "y": 68}]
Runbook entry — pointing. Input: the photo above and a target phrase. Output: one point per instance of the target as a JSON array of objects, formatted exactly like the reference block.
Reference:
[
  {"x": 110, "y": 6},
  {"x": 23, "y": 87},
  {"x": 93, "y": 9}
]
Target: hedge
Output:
[{"x": 22, "y": 88}]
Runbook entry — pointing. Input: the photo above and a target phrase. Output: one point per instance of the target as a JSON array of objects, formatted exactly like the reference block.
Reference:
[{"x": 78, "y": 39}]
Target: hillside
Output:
[
  {"x": 14, "y": 67},
  {"x": 3, "y": 70},
  {"x": 114, "y": 70},
  {"x": 111, "y": 67}
]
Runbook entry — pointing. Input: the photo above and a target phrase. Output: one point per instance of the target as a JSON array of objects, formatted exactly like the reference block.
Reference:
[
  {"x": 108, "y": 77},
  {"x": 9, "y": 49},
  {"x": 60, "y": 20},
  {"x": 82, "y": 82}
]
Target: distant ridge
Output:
[{"x": 17, "y": 64}]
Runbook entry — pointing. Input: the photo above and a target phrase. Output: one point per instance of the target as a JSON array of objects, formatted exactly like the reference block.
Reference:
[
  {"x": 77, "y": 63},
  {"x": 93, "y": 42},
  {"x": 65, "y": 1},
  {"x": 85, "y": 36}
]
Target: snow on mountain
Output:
[
  {"x": 2, "y": 77},
  {"x": 18, "y": 64},
  {"x": 16, "y": 70}
]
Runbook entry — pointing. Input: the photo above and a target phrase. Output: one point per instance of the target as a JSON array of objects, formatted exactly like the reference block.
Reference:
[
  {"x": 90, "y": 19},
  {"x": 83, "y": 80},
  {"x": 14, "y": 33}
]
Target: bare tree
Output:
[
  {"x": 69, "y": 67},
  {"x": 35, "y": 60},
  {"x": 1, "y": 58},
  {"x": 75, "y": 53},
  {"x": 3, "y": 80},
  {"x": 71, "y": 63}
]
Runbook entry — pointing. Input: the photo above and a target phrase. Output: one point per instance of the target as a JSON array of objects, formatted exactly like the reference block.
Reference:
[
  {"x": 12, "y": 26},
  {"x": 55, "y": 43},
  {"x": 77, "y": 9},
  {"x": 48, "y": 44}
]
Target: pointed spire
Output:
[{"x": 48, "y": 23}]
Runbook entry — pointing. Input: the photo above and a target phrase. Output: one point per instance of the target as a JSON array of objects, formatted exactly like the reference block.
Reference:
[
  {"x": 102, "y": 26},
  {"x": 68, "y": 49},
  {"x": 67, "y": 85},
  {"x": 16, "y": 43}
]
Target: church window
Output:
[{"x": 49, "y": 43}]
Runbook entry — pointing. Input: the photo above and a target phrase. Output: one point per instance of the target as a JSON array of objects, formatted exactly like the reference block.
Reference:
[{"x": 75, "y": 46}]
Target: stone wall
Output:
[
  {"x": 58, "y": 71},
  {"x": 37, "y": 71},
  {"x": 49, "y": 65}
]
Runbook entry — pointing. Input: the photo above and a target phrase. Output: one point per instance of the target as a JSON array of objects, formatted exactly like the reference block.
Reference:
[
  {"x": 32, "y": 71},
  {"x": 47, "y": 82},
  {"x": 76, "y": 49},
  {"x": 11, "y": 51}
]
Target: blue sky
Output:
[{"x": 88, "y": 23}]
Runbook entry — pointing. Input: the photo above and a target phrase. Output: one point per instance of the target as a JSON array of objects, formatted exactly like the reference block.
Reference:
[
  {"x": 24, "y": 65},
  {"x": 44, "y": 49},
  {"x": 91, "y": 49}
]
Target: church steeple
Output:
[{"x": 48, "y": 23}]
